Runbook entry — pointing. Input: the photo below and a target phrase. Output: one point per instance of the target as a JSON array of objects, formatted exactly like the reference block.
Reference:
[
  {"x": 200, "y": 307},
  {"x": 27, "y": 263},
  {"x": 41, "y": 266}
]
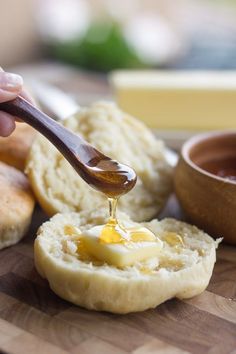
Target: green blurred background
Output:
[{"x": 103, "y": 35}]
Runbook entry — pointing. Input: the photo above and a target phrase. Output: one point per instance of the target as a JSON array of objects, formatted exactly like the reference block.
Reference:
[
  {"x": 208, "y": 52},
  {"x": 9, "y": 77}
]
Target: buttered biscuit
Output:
[
  {"x": 16, "y": 207},
  {"x": 60, "y": 189},
  {"x": 15, "y": 148},
  {"x": 182, "y": 267}
]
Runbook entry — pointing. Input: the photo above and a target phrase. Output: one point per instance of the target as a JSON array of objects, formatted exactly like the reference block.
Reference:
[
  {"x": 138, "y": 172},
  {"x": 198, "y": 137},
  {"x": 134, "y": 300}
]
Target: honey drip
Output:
[
  {"x": 70, "y": 230},
  {"x": 114, "y": 232}
]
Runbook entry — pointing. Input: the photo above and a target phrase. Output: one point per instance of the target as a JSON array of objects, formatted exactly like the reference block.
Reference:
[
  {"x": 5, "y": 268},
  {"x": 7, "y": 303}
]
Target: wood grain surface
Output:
[{"x": 34, "y": 320}]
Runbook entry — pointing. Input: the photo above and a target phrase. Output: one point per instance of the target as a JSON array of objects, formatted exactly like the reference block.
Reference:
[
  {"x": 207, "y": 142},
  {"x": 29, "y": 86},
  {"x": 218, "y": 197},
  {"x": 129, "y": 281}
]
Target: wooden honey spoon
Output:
[{"x": 99, "y": 171}]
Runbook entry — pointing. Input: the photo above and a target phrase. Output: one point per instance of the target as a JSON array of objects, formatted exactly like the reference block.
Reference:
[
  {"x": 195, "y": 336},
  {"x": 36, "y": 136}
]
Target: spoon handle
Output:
[
  {"x": 76, "y": 150},
  {"x": 101, "y": 172}
]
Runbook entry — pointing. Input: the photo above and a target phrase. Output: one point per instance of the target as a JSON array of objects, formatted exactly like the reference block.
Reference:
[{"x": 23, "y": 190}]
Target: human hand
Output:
[{"x": 10, "y": 88}]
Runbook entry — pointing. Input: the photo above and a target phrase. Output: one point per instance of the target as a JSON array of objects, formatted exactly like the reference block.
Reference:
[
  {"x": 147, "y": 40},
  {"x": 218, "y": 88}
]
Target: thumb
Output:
[{"x": 10, "y": 86}]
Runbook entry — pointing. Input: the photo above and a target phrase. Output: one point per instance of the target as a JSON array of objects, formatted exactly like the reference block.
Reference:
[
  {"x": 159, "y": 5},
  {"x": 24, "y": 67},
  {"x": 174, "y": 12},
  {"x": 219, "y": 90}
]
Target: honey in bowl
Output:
[{"x": 224, "y": 167}]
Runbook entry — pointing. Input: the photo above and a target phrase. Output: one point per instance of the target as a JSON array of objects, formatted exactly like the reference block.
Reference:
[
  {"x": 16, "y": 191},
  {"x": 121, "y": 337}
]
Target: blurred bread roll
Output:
[
  {"x": 15, "y": 148},
  {"x": 59, "y": 188},
  {"x": 16, "y": 207}
]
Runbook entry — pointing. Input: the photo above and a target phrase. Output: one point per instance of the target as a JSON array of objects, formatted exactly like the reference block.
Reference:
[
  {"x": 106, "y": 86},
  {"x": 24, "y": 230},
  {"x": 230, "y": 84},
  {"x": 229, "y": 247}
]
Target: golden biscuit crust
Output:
[
  {"x": 15, "y": 148},
  {"x": 16, "y": 207}
]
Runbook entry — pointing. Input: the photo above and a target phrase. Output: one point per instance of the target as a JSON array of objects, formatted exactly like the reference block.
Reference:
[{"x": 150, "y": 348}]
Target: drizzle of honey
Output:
[
  {"x": 201, "y": 252},
  {"x": 173, "y": 239},
  {"x": 176, "y": 241},
  {"x": 146, "y": 270},
  {"x": 114, "y": 232},
  {"x": 70, "y": 230},
  {"x": 174, "y": 264}
]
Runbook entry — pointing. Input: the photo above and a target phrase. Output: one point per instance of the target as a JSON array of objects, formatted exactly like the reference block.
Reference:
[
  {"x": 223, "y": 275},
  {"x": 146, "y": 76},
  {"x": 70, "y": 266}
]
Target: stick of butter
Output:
[
  {"x": 119, "y": 254},
  {"x": 180, "y": 100}
]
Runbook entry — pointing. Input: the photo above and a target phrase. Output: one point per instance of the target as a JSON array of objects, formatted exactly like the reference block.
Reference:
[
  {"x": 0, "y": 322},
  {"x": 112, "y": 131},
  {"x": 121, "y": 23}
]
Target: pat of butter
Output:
[
  {"x": 119, "y": 254},
  {"x": 181, "y": 100}
]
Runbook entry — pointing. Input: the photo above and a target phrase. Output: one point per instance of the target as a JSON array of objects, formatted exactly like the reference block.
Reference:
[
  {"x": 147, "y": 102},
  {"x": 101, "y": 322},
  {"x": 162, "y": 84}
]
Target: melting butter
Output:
[
  {"x": 118, "y": 245},
  {"x": 124, "y": 246},
  {"x": 113, "y": 232},
  {"x": 119, "y": 254}
]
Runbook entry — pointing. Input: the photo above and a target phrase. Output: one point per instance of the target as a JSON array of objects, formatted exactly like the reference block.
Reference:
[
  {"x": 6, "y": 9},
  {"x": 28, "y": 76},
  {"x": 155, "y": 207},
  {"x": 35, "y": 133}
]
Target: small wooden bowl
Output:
[{"x": 209, "y": 201}]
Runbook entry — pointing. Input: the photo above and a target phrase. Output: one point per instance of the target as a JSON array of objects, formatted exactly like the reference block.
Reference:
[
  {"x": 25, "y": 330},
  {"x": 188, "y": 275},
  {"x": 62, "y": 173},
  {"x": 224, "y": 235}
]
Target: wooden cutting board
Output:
[{"x": 34, "y": 320}]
